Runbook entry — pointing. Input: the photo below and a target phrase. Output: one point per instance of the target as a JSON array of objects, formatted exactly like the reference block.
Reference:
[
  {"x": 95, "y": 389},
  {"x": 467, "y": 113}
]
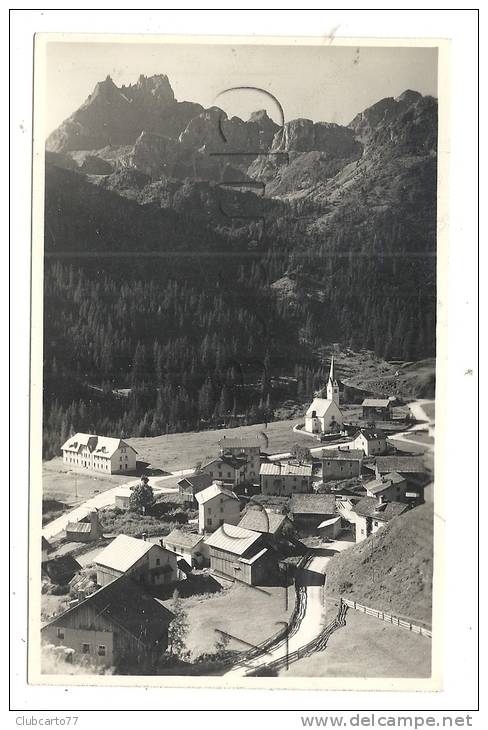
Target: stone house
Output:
[
  {"x": 284, "y": 478},
  {"x": 341, "y": 463},
  {"x": 248, "y": 450}
]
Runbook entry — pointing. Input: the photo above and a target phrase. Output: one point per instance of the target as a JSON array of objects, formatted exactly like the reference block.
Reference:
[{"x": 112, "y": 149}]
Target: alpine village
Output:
[{"x": 238, "y": 435}]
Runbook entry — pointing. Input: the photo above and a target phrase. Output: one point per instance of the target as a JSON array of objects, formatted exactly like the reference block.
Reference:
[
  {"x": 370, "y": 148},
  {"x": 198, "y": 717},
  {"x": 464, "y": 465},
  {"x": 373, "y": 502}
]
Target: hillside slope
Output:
[{"x": 391, "y": 570}]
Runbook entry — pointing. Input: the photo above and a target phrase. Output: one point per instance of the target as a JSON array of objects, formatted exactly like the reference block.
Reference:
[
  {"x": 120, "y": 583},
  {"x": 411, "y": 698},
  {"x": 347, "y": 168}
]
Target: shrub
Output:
[{"x": 56, "y": 590}]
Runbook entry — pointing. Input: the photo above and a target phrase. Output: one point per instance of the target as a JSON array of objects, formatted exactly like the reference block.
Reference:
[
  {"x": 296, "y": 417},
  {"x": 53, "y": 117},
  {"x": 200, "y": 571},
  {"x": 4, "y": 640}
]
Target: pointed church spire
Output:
[
  {"x": 332, "y": 385},
  {"x": 331, "y": 374}
]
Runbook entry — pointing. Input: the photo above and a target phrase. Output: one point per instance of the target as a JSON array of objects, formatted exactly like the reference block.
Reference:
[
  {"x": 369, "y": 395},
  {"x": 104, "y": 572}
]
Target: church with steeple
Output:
[{"x": 324, "y": 414}]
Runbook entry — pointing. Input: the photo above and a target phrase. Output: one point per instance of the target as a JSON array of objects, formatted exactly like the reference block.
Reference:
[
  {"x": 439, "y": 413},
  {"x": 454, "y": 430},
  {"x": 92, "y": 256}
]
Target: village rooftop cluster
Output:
[{"x": 252, "y": 517}]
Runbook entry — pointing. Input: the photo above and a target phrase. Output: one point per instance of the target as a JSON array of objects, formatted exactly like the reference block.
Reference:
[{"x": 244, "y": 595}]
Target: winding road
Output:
[
  {"x": 424, "y": 421},
  {"x": 106, "y": 499},
  {"x": 308, "y": 624}
]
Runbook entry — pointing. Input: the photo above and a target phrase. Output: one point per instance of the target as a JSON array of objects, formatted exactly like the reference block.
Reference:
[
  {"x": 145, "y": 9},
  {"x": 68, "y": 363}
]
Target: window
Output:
[
  {"x": 85, "y": 648},
  {"x": 158, "y": 562},
  {"x": 102, "y": 651},
  {"x": 60, "y": 633}
]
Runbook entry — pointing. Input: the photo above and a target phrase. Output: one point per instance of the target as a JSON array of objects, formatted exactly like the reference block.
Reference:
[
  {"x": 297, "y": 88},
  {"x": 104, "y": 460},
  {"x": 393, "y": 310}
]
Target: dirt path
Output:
[{"x": 416, "y": 407}]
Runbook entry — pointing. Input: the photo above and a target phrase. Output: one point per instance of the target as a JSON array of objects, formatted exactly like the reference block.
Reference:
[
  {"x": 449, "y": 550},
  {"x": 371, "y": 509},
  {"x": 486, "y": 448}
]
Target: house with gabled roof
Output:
[
  {"x": 371, "y": 442},
  {"x": 99, "y": 453},
  {"x": 145, "y": 562},
  {"x": 216, "y": 505},
  {"x": 241, "y": 555},
  {"x": 187, "y": 545},
  {"x": 88, "y": 529},
  {"x": 377, "y": 409},
  {"x": 411, "y": 468},
  {"x": 118, "y": 623},
  {"x": 264, "y": 520},
  {"x": 245, "y": 448},
  {"x": 229, "y": 469},
  {"x": 189, "y": 486},
  {"x": 341, "y": 463},
  {"x": 371, "y": 513},
  {"x": 309, "y": 510}
]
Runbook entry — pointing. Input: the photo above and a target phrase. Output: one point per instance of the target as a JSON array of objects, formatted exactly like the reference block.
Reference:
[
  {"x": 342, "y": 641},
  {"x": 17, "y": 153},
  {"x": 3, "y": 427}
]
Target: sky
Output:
[{"x": 324, "y": 83}]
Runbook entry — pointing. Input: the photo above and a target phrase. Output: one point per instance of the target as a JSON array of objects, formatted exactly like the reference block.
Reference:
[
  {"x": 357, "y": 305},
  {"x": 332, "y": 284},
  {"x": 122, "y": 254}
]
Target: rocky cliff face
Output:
[{"x": 381, "y": 156}]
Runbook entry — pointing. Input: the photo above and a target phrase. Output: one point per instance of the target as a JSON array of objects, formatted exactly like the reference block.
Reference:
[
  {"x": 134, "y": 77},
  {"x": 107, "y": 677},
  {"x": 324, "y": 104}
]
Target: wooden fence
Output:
[{"x": 389, "y": 618}]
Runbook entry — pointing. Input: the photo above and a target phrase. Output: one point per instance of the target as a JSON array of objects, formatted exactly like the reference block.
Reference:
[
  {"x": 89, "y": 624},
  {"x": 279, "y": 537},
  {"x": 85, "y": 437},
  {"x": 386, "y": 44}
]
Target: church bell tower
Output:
[{"x": 332, "y": 385}]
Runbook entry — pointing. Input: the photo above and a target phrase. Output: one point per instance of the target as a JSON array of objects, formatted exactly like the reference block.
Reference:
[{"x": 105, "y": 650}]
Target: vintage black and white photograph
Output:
[{"x": 239, "y": 260}]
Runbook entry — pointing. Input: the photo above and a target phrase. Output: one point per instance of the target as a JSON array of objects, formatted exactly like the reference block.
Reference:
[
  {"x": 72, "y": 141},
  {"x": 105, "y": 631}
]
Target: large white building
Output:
[
  {"x": 99, "y": 453},
  {"x": 324, "y": 414}
]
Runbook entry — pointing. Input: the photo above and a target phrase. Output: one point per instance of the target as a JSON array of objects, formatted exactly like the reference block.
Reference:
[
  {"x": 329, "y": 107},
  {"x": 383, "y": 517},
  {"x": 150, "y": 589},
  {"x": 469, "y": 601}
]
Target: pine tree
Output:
[{"x": 178, "y": 628}]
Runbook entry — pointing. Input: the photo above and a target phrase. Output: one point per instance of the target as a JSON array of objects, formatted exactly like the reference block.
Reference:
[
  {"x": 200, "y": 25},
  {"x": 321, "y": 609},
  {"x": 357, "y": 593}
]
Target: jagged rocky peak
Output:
[
  {"x": 409, "y": 120},
  {"x": 157, "y": 86},
  {"x": 409, "y": 96}
]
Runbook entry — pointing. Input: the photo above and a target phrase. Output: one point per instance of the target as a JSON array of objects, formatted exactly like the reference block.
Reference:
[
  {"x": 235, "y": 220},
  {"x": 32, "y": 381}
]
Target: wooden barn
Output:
[
  {"x": 376, "y": 409},
  {"x": 116, "y": 624},
  {"x": 310, "y": 510},
  {"x": 88, "y": 529}
]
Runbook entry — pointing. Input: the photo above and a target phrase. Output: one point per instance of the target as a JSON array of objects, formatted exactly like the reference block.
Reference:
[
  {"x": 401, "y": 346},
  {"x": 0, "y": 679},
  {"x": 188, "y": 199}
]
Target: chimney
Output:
[{"x": 144, "y": 536}]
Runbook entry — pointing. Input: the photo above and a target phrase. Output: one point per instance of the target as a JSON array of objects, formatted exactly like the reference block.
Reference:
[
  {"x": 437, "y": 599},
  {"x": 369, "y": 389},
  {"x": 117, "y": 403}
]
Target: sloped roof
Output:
[
  {"x": 401, "y": 464},
  {"x": 313, "y": 504},
  {"x": 98, "y": 444},
  {"x": 261, "y": 520},
  {"x": 213, "y": 491},
  {"x": 253, "y": 558},
  {"x": 370, "y": 435},
  {"x": 379, "y": 485},
  {"x": 342, "y": 454},
  {"x": 123, "y": 552},
  {"x": 182, "y": 538},
  {"x": 330, "y": 521},
  {"x": 321, "y": 406},
  {"x": 285, "y": 469},
  {"x": 61, "y": 569},
  {"x": 84, "y": 527},
  {"x": 370, "y": 507},
  {"x": 127, "y": 605},
  {"x": 196, "y": 481},
  {"x": 376, "y": 402},
  {"x": 233, "y": 538},
  {"x": 233, "y": 461}
]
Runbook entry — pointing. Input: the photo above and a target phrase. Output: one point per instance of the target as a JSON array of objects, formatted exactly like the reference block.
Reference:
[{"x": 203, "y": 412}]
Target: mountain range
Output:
[{"x": 302, "y": 235}]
